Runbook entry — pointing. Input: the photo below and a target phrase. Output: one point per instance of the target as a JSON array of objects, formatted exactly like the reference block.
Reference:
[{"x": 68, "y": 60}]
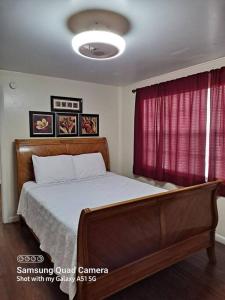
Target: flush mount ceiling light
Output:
[
  {"x": 98, "y": 34},
  {"x": 98, "y": 44}
]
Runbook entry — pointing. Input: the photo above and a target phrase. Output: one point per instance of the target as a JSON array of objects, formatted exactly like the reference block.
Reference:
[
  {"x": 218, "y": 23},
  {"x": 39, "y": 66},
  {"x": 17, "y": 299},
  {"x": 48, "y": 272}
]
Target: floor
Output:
[{"x": 192, "y": 279}]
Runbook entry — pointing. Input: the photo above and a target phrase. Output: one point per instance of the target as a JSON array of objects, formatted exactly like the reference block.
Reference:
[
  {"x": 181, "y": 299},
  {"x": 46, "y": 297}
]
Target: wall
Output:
[
  {"x": 1, "y": 123},
  {"x": 33, "y": 93},
  {"x": 127, "y": 123}
]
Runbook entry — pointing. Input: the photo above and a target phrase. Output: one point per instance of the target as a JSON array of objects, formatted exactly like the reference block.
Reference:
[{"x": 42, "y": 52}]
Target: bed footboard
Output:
[{"x": 140, "y": 237}]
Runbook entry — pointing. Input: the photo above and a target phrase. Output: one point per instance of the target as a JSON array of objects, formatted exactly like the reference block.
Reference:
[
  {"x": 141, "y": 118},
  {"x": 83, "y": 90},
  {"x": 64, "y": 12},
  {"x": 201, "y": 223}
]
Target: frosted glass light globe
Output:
[{"x": 98, "y": 37}]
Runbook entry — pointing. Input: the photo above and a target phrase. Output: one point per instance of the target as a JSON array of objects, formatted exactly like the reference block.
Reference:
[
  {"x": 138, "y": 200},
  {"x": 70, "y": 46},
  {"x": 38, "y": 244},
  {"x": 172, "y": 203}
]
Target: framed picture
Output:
[
  {"x": 66, "y": 104},
  {"x": 42, "y": 124},
  {"x": 88, "y": 125},
  {"x": 66, "y": 124}
]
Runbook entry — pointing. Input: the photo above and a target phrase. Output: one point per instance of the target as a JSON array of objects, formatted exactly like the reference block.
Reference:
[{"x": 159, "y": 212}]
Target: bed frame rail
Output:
[{"x": 137, "y": 238}]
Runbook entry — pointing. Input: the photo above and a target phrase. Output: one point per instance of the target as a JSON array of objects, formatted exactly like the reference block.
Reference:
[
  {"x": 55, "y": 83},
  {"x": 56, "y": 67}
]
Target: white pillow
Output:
[
  {"x": 50, "y": 169},
  {"x": 89, "y": 165}
]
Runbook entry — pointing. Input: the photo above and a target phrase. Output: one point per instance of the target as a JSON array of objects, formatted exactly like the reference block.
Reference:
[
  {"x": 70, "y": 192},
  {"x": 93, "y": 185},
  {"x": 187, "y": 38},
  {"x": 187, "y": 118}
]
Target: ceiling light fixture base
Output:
[{"x": 98, "y": 34}]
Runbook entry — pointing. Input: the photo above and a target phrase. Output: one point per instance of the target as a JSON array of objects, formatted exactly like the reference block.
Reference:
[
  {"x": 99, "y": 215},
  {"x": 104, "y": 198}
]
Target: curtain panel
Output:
[
  {"x": 170, "y": 130},
  {"x": 217, "y": 127}
]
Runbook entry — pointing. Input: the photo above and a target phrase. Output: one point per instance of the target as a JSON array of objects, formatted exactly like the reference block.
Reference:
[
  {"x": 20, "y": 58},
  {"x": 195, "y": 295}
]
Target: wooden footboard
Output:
[{"x": 137, "y": 238}]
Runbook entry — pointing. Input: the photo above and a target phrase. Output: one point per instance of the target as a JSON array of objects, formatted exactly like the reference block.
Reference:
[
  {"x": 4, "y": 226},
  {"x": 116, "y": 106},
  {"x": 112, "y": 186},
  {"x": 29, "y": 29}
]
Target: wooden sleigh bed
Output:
[{"x": 175, "y": 224}]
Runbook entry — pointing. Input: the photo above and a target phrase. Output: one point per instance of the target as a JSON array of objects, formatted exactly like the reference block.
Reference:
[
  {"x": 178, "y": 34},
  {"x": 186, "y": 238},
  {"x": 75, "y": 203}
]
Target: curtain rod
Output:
[{"x": 135, "y": 90}]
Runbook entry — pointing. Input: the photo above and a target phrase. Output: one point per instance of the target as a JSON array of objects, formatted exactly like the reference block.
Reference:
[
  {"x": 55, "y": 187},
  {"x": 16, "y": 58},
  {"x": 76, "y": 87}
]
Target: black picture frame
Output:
[
  {"x": 66, "y": 104},
  {"x": 59, "y": 132},
  {"x": 48, "y": 130},
  {"x": 96, "y": 121}
]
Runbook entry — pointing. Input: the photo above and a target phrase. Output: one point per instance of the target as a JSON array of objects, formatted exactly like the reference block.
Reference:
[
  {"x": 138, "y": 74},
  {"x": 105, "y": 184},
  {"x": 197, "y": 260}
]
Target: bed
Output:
[{"x": 128, "y": 227}]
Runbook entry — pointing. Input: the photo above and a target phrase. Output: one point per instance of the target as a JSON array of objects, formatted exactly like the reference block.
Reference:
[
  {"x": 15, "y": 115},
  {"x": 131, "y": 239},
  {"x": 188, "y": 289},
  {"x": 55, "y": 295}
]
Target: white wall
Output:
[
  {"x": 1, "y": 122},
  {"x": 127, "y": 121},
  {"x": 33, "y": 93}
]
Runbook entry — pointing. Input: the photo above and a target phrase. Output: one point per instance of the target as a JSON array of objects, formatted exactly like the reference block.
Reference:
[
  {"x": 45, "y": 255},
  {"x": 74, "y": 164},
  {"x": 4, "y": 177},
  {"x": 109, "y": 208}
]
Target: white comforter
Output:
[{"x": 53, "y": 211}]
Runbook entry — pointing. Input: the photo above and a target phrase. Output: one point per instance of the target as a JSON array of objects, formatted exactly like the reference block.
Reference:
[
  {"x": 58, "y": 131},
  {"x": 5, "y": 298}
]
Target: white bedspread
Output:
[{"x": 53, "y": 211}]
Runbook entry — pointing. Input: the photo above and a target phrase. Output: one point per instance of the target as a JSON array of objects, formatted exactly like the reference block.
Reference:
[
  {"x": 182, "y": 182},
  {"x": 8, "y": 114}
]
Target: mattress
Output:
[{"x": 52, "y": 211}]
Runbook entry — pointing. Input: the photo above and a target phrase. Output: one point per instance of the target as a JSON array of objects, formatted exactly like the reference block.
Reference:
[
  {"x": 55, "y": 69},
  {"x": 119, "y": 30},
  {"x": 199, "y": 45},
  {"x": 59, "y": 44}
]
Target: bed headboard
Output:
[{"x": 47, "y": 147}]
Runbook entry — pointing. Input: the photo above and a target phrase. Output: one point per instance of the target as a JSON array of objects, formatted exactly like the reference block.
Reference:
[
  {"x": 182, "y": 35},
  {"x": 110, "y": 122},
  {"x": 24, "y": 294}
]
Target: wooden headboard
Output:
[{"x": 47, "y": 147}]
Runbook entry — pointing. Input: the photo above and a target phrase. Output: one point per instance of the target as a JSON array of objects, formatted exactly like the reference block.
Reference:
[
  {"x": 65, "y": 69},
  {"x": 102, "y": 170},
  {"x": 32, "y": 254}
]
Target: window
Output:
[
  {"x": 170, "y": 130},
  {"x": 179, "y": 131}
]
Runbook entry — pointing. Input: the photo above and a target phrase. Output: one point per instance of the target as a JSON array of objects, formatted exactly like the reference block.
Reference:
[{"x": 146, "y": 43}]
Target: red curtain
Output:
[
  {"x": 217, "y": 126},
  {"x": 170, "y": 130}
]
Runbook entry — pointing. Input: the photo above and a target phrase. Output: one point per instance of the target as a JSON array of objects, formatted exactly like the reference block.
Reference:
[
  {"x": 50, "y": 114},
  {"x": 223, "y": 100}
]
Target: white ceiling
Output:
[{"x": 165, "y": 35}]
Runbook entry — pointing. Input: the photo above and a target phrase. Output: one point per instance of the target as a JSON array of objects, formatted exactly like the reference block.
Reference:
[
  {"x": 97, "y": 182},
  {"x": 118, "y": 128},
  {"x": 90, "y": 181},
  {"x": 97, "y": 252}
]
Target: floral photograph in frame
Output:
[
  {"x": 66, "y": 124},
  {"x": 42, "y": 124},
  {"x": 88, "y": 125}
]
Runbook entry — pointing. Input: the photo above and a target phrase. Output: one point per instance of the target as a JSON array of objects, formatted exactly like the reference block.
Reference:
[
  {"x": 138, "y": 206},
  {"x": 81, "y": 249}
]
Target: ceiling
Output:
[{"x": 165, "y": 35}]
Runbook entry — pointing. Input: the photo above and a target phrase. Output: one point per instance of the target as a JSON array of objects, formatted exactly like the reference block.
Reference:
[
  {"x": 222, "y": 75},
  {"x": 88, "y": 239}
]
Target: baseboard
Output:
[
  {"x": 12, "y": 219},
  {"x": 220, "y": 238}
]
